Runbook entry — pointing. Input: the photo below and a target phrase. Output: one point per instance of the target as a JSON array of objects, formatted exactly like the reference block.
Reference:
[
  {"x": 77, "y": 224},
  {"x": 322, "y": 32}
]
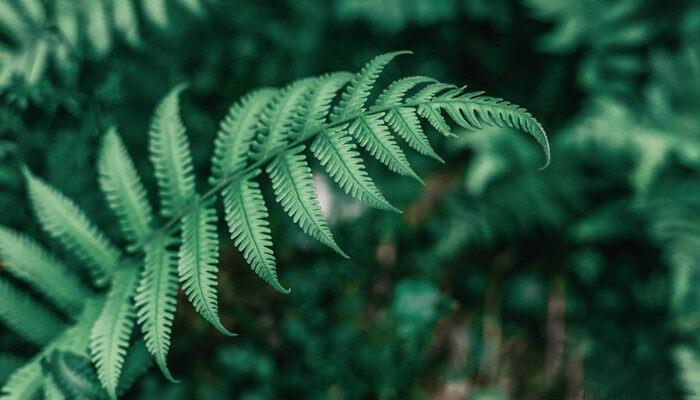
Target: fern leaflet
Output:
[
  {"x": 110, "y": 335},
  {"x": 197, "y": 265},
  {"x": 246, "y": 215},
  {"x": 27, "y": 318},
  {"x": 236, "y": 134},
  {"x": 156, "y": 299},
  {"x": 28, "y": 261},
  {"x": 338, "y": 154},
  {"x": 291, "y": 180},
  {"x": 63, "y": 220},
  {"x": 170, "y": 155},
  {"x": 123, "y": 188}
]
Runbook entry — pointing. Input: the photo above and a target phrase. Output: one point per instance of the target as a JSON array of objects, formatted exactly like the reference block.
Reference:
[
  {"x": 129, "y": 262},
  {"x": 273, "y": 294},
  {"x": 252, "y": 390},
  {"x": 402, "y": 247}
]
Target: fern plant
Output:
[{"x": 267, "y": 130}]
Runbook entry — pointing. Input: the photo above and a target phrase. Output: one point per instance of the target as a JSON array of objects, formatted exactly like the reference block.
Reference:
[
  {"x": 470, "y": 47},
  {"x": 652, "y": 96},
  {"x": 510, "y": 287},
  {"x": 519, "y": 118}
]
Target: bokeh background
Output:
[{"x": 499, "y": 281}]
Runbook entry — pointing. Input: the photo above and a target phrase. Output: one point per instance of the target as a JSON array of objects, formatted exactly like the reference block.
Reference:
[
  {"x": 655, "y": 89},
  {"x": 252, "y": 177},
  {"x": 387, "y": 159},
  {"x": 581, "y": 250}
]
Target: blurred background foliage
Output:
[{"x": 499, "y": 281}]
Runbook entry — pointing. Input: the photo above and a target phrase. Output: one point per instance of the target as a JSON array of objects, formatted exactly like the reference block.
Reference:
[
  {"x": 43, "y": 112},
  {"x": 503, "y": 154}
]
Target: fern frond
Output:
[
  {"x": 156, "y": 298},
  {"x": 64, "y": 221},
  {"x": 27, "y": 260},
  {"x": 109, "y": 339},
  {"x": 338, "y": 154},
  {"x": 278, "y": 122},
  {"x": 27, "y": 318},
  {"x": 372, "y": 133},
  {"x": 170, "y": 154},
  {"x": 25, "y": 383},
  {"x": 246, "y": 215},
  {"x": 123, "y": 188},
  {"x": 352, "y": 101},
  {"x": 236, "y": 133},
  {"x": 319, "y": 99},
  {"x": 197, "y": 263},
  {"x": 267, "y": 130},
  {"x": 294, "y": 190}
]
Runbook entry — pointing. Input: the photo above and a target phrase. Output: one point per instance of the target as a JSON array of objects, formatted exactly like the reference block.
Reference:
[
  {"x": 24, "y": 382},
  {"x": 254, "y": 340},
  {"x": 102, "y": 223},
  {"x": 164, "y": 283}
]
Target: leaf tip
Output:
[{"x": 166, "y": 372}]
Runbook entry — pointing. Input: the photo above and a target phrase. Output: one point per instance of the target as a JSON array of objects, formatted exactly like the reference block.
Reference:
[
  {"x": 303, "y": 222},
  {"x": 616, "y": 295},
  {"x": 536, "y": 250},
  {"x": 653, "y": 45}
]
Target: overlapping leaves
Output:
[{"x": 266, "y": 130}]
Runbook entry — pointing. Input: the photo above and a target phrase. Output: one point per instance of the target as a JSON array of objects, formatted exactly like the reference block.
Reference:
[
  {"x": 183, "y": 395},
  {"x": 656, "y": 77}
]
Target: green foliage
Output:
[
  {"x": 613, "y": 34},
  {"x": 26, "y": 317},
  {"x": 64, "y": 221},
  {"x": 495, "y": 281},
  {"x": 29, "y": 262},
  {"x": 294, "y": 190},
  {"x": 60, "y": 32},
  {"x": 110, "y": 336},
  {"x": 123, "y": 189},
  {"x": 265, "y": 128}
]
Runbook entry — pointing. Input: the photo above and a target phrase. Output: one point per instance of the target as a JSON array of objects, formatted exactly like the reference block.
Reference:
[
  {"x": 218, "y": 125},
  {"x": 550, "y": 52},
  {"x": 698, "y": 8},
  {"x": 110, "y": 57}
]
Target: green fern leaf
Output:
[
  {"x": 319, "y": 99},
  {"x": 156, "y": 298},
  {"x": 27, "y": 318},
  {"x": 279, "y": 119},
  {"x": 51, "y": 390},
  {"x": 688, "y": 365},
  {"x": 394, "y": 94},
  {"x": 197, "y": 265},
  {"x": 246, "y": 215},
  {"x": 25, "y": 383},
  {"x": 405, "y": 123},
  {"x": 430, "y": 111},
  {"x": 156, "y": 12},
  {"x": 73, "y": 376},
  {"x": 138, "y": 361},
  {"x": 97, "y": 27},
  {"x": 63, "y": 220},
  {"x": 498, "y": 112},
  {"x": 236, "y": 133},
  {"x": 429, "y": 92},
  {"x": 76, "y": 338},
  {"x": 26, "y": 260},
  {"x": 338, "y": 154},
  {"x": 352, "y": 101},
  {"x": 126, "y": 21},
  {"x": 170, "y": 154},
  {"x": 372, "y": 133},
  {"x": 294, "y": 190},
  {"x": 123, "y": 188},
  {"x": 109, "y": 339},
  {"x": 433, "y": 115}
]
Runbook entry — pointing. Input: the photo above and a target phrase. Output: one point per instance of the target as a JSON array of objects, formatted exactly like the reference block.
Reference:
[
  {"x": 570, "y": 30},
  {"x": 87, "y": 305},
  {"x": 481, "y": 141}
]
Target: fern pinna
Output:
[{"x": 267, "y": 130}]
